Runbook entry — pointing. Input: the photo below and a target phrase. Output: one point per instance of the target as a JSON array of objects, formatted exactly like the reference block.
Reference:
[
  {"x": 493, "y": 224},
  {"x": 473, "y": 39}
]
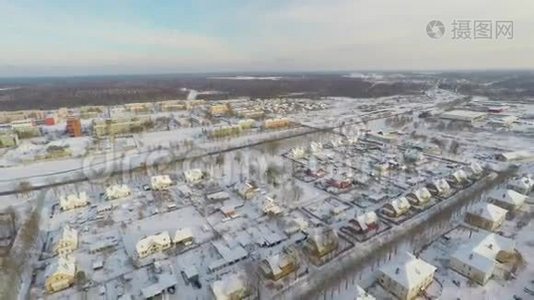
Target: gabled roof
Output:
[
  {"x": 366, "y": 219},
  {"x": 400, "y": 204},
  {"x": 422, "y": 194},
  {"x": 489, "y": 211},
  {"x": 480, "y": 252},
  {"x": 508, "y": 196},
  {"x": 407, "y": 270},
  {"x": 161, "y": 238},
  {"x": 182, "y": 234}
]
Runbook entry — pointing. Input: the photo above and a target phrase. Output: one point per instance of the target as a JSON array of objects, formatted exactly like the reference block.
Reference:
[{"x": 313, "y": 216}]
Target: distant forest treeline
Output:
[{"x": 54, "y": 93}]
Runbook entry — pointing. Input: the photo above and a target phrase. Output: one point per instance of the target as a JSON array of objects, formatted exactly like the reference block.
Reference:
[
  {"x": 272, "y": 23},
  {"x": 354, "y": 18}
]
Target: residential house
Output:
[
  {"x": 486, "y": 216},
  {"x": 478, "y": 259},
  {"x": 153, "y": 244},
  {"x": 407, "y": 276},
  {"x": 365, "y": 222},
  {"x": 458, "y": 178},
  {"x": 419, "y": 197},
  {"x": 73, "y": 201},
  {"x": 193, "y": 176},
  {"x": 247, "y": 190},
  {"x": 217, "y": 110},
  {"x": 507, "y": 199},
  {"x": 439, "y": 187},
  {"x": 68, "y": 241},
  {"x": 276, "y": 123},
  {"x": 523, "y": 185},
  {"x": 397, "y": 207},
  {"x": 280, "y": 265},
  {"x": 60, "y": 274},
  {"x": 117, "y": 191},
  {"x": 298, "y": 152},
  {"x": 160, "y": 182},
  {"x": 270, "y": 207},
  {"x": 183, "y": 236},
  {"x": 474, "y": 170},
  {"x": 322, "y": 241},
  {"x": 339, "y": 182},
  {"x": 230, "y": 287}
]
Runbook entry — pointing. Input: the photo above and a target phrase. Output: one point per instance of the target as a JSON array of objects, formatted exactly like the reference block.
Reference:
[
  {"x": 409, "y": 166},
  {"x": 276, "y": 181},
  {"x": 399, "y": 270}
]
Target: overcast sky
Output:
[{"x": 123, "y": 37}]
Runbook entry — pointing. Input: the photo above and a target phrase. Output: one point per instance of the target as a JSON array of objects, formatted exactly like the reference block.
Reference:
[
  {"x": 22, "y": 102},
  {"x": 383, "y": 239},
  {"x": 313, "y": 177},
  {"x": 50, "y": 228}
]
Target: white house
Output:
[
  {"x": 486, "y": 216},
  {"x": 397, "y": 207},
  {"x": 117, "y": 191},
  {"x": 458, "y": 178},
  {"x": 474, "y": 170},
  {"x": 193, "y": 175},
  {"x": 183, "y": 236},
  {"x": 478, "y": 258},
  {"x": 507, "y": 199},
  {"x": 153, "y": 244},
  {"x": 419, "y": 196},
  {"x": 68, "y": 241},
  {"x": 439, "y": 187},
  {"x": 73, "y": 201},
  {"x": 160, "y": 182},
  {"x": 406, "y": 276}
]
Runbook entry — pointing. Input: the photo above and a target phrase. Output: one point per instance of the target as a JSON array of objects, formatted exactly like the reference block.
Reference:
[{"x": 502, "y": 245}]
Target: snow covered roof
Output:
[
  {"x": 162, "y": 238},
  {"x": 463, "y": 115},
  {"x": 524, "y": 183},
  {"x": 182, "y": 234},
  {"x": 400, "y": 204},
  {"x": 227, "y": 285},
  {"x": 230, "y": 254},
  {"x": 489, "y": 211},
  {"x": 366, "y": 219},
  {"x": 160, "y": 181},
  {"x": 73, "y": 199},
  {"x": 277, "y": 262},
  {"x": 193, "y": 175},
  {"x": 65, "y": 265},
  {"x": 459, "y": 175},
  {"x": 474, "y": 169},
  {"x": 441, "y": 184},
  {"x": 361, "y": 294},
  {"x": 407, "y": 270},
  {"x": 422, "y": 194},
  {"x": 482, "y": 250},
  {"x": 117, "y": 191},
  {"x": 69, "y": 235},
  {"x": 508, "y": 196}
]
